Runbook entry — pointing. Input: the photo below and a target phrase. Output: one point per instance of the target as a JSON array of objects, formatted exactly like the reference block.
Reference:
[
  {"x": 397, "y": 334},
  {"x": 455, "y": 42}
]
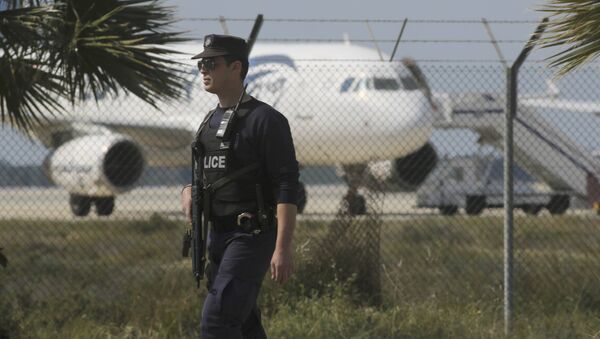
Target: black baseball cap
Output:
[{"x": 218, "y": 45}]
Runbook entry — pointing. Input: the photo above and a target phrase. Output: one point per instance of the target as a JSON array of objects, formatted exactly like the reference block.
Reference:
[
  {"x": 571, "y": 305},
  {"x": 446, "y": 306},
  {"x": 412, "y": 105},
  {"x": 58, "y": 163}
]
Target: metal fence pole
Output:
[
  {"x": 508, "y": 198},
  {"x": 512, "y": 74}
]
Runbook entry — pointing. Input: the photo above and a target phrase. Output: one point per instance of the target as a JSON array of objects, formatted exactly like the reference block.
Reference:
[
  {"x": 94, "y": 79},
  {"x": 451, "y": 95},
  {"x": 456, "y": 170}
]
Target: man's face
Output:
[{"x": 216, "y": 74}]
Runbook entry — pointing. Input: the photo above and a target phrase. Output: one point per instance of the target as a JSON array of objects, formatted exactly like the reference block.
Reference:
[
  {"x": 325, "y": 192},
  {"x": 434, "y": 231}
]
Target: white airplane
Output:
[{"x": 372, "y": 119}]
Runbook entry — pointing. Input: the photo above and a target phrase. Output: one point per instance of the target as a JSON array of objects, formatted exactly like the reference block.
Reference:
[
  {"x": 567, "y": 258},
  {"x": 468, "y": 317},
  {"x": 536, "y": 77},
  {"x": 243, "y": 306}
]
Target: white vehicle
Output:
[
  {"x": 475, "y": 182},
  {"x": 541, "y": 148}
]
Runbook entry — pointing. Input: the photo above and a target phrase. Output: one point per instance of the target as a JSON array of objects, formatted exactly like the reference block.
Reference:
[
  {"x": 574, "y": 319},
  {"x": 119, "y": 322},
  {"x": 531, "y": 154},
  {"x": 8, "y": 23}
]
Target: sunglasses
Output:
[{"x": 207, "y": 63}]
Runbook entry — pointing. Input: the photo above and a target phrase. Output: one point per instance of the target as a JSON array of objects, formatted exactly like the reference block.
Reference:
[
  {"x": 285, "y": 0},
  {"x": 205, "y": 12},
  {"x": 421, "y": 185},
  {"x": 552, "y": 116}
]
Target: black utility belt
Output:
[{"x": 245, "y": 221}]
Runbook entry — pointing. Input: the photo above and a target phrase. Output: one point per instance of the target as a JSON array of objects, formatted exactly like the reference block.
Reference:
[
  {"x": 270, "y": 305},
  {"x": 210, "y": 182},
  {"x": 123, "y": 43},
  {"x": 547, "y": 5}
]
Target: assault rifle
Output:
[{"x": 195, "y": 237}]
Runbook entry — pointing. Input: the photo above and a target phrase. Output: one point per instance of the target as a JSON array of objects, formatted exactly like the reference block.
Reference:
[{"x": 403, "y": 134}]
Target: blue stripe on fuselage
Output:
[
  {"x": 273, "y": 59},
  {"x": 251, "y": 77}
]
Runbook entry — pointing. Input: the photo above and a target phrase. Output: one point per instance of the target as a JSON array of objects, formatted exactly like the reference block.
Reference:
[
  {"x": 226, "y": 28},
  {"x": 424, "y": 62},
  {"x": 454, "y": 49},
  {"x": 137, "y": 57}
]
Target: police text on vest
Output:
[{"x": 214, "y": 162}]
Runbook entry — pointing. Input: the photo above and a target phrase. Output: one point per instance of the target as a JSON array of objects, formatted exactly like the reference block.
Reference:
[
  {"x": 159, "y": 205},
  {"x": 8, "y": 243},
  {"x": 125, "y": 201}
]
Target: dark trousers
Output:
[{"x": 238, "y": 264}]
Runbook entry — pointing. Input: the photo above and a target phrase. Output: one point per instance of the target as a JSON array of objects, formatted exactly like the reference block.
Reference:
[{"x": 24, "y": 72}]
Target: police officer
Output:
[{"x": 242, "y": 244}]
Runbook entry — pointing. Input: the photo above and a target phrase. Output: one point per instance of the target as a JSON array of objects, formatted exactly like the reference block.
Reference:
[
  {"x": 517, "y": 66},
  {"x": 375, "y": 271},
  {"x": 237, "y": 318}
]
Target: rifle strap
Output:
[{"x": 215, "y": 186}]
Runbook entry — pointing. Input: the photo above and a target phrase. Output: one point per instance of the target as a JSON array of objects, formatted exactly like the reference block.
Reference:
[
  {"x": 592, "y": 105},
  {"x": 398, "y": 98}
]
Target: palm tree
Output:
[
  {"x": 576, "y": 24},
  {"x": 79, "y": 48}
]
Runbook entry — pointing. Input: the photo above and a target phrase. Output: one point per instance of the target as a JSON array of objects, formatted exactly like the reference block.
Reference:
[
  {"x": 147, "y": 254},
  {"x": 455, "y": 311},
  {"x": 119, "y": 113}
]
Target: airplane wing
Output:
[
  {"x": 156, "y": 136},
  {"x": 164, "y": 142},
  {"x": 165, "y": 133},
  {"x": 561, "y": 104}
]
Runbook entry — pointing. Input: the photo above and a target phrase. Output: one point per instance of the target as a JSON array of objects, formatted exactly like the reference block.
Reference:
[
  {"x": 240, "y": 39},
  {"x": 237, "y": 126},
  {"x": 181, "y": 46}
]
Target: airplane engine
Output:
[
  {"x": 403, "y": 174},
  {"x": 96, "y": 165}
]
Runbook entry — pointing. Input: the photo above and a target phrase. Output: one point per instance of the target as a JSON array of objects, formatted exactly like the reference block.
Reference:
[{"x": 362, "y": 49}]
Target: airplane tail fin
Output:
[{"x": 346, "y": 38}]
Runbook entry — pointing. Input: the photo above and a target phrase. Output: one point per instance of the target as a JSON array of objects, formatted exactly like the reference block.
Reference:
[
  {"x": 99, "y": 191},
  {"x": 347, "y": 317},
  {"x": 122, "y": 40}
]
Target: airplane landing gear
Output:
[
  {"x": 104, "y": 205},
  {"x": 80, "y": 204},
  {"x": 354, "y": 203}
]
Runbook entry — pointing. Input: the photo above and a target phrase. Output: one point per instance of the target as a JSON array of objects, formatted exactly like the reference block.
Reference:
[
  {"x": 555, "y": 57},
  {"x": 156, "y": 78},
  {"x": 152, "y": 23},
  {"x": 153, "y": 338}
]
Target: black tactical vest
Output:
[{"x": 216, "y": 162}]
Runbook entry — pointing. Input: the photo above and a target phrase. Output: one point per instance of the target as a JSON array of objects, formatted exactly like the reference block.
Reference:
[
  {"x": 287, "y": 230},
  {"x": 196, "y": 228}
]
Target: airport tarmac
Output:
[
  {"x": 140, "y": 203},
  {"x": 323, "y": 203}
]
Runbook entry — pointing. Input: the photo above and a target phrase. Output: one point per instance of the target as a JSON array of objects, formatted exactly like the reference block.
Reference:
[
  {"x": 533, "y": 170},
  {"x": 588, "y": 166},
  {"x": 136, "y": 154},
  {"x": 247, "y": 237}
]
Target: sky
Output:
[
  {"x": 378, "y": 9},
  {"x": 513, "y": 10},
  {"x": 190, "y": 16}
]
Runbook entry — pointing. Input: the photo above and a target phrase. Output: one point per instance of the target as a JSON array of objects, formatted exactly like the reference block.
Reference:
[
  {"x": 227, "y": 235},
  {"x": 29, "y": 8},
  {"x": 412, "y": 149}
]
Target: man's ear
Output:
[{"x": 237, "y": 66}]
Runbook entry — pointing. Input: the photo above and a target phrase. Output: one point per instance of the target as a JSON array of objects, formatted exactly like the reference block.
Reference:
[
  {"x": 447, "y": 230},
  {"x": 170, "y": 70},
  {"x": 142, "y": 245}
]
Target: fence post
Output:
[{"x": 512, "y": 73}]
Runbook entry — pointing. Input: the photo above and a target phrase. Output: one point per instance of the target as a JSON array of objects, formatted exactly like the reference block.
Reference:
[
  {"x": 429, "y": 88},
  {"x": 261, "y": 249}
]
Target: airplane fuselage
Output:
[{"x": 340, "y": 112}]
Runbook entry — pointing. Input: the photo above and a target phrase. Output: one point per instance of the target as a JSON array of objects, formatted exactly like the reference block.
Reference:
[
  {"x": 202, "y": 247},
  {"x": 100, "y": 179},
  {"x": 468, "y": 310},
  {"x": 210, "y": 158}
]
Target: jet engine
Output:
[
  {"x": 96, "y": 165},
  {"x": 403, "y": 174}
]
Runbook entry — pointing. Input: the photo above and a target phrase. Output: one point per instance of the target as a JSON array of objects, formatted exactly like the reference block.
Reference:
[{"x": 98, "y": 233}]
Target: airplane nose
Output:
[
  {"x": 420, "y": 113},
  {"x": 416, "y": 121}
]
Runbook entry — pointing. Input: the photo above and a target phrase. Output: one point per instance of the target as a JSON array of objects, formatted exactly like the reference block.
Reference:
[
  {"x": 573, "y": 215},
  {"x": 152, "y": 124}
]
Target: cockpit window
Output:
[
  {"x": 386, "y": 84},
  {"x": 409, "y": 83},
  {"x": 358, "y": 85},
  {"x": 355, "y": 84},
  {"x": 346, "y": 85}
]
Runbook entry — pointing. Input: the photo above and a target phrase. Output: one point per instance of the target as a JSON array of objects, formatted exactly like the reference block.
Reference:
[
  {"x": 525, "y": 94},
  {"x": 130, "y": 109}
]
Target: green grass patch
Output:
[{"x": 421, "y": 277}]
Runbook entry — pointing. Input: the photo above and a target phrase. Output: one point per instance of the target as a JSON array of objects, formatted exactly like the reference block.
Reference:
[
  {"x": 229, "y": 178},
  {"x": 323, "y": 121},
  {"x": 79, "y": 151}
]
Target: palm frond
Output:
[
  {"x": 32, "y": 28},
  {"x": 29, "y": 86},
  {"x": 110, "y": 45},
  {"x": 574, "y": 24},
  {"x": 74, "y": 48},
  {"x": 29, "y": 90}
]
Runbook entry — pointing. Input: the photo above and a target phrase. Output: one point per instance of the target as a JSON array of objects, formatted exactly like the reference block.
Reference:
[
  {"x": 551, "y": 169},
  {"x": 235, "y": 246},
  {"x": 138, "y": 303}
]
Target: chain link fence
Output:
[{"x": 404, "y": 194}]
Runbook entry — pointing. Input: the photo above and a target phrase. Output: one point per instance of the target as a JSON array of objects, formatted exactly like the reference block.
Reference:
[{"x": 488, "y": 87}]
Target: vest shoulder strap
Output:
[
  {"x": 241, "y": 113},
  {"x": 205, "y": 121}
]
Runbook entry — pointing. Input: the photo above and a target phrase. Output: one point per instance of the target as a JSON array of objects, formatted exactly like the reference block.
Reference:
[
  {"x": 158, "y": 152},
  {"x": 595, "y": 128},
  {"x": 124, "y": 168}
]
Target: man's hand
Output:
[
  {"x": 282, "y": 265},
  {"x": 186, "y": 202}
]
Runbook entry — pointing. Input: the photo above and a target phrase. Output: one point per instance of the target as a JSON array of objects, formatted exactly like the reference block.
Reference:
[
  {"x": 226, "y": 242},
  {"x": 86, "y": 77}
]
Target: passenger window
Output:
[
  {"x": 346, "y": 85},
  {"x": 358, "y": 85}
]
